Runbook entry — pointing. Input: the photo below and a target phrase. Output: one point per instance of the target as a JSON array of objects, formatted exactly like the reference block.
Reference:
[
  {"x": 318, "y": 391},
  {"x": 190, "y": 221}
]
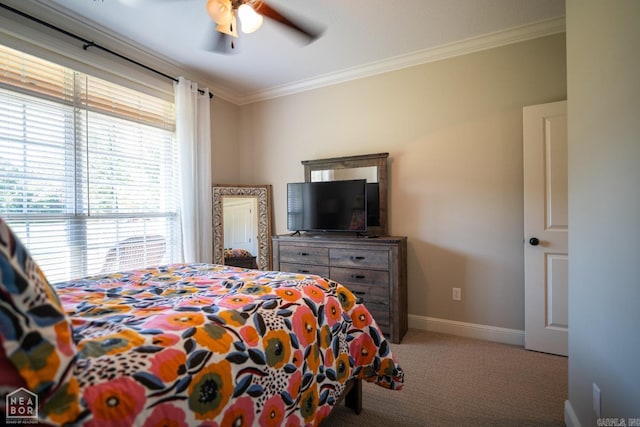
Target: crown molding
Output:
[{"x": 474, "y": 44}]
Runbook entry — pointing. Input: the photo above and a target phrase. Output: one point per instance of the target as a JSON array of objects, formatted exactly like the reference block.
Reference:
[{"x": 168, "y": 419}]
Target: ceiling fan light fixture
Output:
[
  {"x": 229, "y": 29},
  {"x": 250, "y": 20},
  {"x": 220, "y": 11}
]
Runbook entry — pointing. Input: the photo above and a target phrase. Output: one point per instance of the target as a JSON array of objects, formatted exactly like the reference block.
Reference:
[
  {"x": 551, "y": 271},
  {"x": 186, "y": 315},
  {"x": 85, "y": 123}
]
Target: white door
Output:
[
  {"x": 546, "y": 284},
  {"x": 240, "y": 224}
]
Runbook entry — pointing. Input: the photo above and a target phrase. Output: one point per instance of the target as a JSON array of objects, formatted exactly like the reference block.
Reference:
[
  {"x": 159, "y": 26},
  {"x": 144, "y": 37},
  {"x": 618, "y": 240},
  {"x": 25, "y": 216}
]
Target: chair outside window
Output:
[{"x": 135, "y": 252}]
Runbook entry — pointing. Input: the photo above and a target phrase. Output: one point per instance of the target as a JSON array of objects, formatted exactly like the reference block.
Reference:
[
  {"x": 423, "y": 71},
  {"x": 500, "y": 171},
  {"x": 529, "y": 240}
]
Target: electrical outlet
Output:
[
  {"x": 596, "y": 399},
  {"x": 456, "y": 294}
]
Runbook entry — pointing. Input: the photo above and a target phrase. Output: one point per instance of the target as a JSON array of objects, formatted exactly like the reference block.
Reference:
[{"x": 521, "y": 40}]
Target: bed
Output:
[{"x": 185, "y": 345}]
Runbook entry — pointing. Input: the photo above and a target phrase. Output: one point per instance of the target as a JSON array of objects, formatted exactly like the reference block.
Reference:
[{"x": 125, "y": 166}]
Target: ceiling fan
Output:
[{"x": 251, "y": 14}]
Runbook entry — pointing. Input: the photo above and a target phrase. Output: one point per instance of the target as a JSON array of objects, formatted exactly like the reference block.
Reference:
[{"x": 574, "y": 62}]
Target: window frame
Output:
[{"x": 76, "y": 214}]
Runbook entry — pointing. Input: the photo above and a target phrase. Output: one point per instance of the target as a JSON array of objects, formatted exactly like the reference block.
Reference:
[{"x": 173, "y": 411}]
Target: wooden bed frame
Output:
[{"x": 352, "y": 395}]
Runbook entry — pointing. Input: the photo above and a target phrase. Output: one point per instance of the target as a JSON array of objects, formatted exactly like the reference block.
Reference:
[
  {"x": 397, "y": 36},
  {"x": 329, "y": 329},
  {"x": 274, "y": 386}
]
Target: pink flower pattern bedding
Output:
[{"x": 212, "y": 345}]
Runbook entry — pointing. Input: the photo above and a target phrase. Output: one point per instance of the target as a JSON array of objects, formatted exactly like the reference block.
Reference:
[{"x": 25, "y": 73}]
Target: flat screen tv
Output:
[{"x": 327, "y": 206}]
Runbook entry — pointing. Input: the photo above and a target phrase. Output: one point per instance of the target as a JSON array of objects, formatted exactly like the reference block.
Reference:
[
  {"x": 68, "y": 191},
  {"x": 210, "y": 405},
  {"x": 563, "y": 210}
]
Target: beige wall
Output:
[
  {"x": 604, "y": 209},
  {"x": 453, "y": 129},
  {"x": 225, "y": 159}
]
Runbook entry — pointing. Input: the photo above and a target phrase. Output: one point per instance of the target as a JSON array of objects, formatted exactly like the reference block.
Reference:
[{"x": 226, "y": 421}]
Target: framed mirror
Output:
[
  {"x": 242, "y": 225},
  {"x": 372, "y": 167}
]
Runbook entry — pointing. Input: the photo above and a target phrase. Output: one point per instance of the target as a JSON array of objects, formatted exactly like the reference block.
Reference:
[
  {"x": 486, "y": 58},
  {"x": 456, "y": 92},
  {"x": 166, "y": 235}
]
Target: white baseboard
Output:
[
  {"x": 470, "y": 330},
  {"x": 570, "y": 417}
]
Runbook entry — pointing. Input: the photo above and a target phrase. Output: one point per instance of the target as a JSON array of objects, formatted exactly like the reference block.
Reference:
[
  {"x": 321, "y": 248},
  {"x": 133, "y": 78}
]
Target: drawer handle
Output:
[
  {"x": 303, "y": 254},
  {"x": 357, "y": 258},
  {"x": 358, "y": 276},
  {"x": 303, "y": 271},
  {"x": 359, "y": 292}
]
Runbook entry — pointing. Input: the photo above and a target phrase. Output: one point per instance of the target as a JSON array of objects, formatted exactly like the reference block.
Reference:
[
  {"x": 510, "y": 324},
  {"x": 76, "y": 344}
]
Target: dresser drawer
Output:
[
  {"x": 319, "y": 270},
  {"x": 381, "y": 314},
  {"x": 360, "y": 276},
  {"x": 359, "y": 258},
  {"x": 377, "y": 294},
  {"x": 376, "y": 299},
  {"x": 304, "y": 254}
]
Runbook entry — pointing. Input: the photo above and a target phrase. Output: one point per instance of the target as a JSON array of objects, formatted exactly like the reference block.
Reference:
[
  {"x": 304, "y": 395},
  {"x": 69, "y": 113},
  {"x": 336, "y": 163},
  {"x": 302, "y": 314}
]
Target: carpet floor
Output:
[{"x": 456, "y": 381}]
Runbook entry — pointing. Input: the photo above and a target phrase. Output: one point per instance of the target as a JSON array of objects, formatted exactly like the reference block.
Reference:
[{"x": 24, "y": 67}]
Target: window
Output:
[{"x": 88, "y": 176}]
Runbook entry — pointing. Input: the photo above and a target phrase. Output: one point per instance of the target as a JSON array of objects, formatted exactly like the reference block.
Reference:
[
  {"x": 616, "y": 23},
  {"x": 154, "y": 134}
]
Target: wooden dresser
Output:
[{"x": 374, "y": 269}]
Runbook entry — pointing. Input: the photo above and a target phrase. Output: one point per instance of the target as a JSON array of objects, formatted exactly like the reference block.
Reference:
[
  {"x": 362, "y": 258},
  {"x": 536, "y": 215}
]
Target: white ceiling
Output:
[{"x": 358, "y": 35}]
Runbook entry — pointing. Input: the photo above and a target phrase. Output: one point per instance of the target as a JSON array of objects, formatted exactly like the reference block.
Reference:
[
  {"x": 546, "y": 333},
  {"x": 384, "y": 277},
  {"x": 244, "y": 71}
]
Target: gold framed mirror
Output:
[{"x": 242, "y": 224}]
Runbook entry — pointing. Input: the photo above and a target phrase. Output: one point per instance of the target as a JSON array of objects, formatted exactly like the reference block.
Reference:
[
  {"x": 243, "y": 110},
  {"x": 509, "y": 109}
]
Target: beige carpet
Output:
[{"x": 455, "y": 381}]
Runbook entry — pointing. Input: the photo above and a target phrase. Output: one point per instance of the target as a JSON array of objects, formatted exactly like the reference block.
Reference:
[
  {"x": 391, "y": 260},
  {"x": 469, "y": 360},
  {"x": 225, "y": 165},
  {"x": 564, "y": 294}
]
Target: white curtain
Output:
[{"x": 193, "y": 133}]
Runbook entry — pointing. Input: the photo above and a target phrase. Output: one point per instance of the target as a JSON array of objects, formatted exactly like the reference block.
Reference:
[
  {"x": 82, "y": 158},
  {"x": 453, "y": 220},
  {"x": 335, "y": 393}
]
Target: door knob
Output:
[{"x": 534, "y": 241}]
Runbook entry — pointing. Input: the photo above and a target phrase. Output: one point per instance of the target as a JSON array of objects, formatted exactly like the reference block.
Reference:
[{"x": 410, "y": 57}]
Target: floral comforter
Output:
[{"x": 213, "y": 345}]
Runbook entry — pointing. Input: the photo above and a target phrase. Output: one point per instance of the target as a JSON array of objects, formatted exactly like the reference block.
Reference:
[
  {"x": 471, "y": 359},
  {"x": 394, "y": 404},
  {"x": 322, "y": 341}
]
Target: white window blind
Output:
[{"x": 88, "y": 176}]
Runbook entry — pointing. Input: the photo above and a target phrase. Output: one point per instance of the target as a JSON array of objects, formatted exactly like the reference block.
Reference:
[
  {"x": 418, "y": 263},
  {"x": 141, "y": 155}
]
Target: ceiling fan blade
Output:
[{"x": 309, "y": 31}]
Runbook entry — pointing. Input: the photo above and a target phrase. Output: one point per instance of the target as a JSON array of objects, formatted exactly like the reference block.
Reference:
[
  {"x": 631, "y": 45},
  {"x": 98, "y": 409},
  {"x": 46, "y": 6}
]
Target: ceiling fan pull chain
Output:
[{"x": 233, "y": 45}]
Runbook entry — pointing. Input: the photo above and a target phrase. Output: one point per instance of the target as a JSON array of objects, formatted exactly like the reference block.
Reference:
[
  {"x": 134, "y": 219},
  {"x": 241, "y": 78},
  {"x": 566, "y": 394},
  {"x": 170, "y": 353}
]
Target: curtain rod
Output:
[{"x": 88, "y": 43}]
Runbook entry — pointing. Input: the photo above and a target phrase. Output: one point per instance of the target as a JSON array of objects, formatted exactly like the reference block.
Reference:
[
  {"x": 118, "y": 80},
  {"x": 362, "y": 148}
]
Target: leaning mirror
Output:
[{"x": 242, "y": 226}]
